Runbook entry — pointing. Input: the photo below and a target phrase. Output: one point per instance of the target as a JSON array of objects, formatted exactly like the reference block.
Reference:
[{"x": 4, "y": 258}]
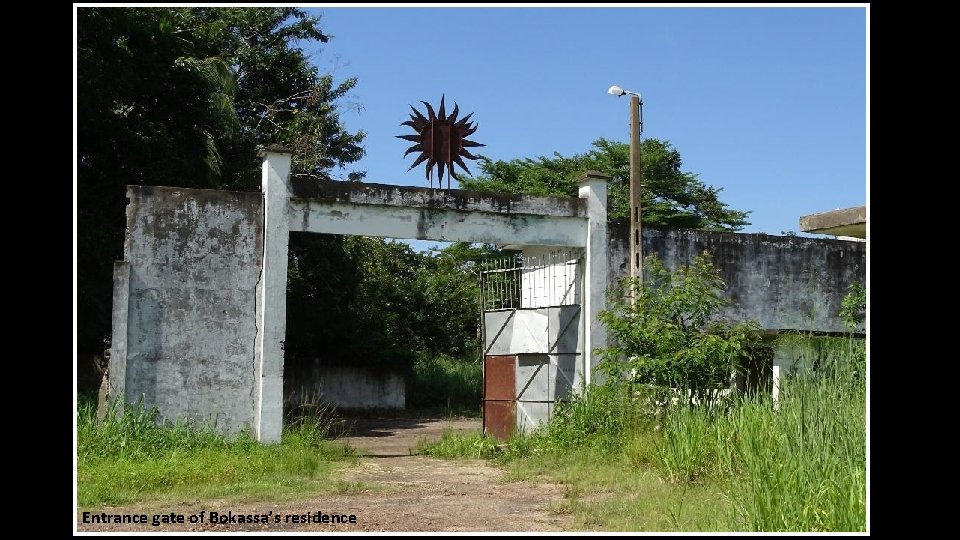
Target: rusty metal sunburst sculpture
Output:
[{"x": 441, "y": 139}]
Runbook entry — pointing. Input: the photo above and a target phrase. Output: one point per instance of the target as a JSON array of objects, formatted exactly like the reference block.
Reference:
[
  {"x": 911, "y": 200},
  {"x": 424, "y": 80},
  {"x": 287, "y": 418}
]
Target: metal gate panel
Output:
[
  {"x": 516, "y": 331},
  {"x": 499, "y": 376},
  {"x": 533, "y": 377},
  {"x": 564, "y": 331},
  {"x": 499, "y": 419},
  {"x": 566, "y": 376},
  {"x": 542, "y": 380},
  {"x": 497, "y": 331},
  {"x": 531, "y": 414},
  {"x": 537, "y": 376}
]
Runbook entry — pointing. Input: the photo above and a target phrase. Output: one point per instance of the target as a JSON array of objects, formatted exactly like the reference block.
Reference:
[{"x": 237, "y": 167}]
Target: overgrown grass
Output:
[
  {"x": 806, "y": 462},
  {"x": 459, "y": 445},
  {"x": 742, "y": 464},
  {"x": 451, "y": 386},
  {"x": 128, "y": 457}
]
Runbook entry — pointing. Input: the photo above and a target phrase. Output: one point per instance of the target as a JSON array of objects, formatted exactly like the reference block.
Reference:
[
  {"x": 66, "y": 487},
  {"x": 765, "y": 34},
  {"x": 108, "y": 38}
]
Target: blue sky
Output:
[{"x": 767, "y": 103}]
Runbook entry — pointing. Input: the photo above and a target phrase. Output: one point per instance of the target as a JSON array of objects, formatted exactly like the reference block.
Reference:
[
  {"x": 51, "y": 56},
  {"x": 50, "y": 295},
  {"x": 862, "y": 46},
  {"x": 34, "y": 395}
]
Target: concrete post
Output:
[
  {"x": 593, "y": 188},
  {"x": 272, "y": 294},
  {"x": 117, "y": 383}
]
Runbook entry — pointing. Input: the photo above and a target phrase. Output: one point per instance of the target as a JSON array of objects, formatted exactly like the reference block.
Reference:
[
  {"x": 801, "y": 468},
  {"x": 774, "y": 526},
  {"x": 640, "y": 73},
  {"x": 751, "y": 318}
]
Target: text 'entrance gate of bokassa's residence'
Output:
[{"x": 532, "y": 329}]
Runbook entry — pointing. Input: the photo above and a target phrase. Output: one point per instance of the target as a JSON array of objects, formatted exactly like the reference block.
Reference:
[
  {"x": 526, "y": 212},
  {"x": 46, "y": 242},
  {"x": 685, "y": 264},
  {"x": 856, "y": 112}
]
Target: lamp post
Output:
[{"x": 636, "y": 127}]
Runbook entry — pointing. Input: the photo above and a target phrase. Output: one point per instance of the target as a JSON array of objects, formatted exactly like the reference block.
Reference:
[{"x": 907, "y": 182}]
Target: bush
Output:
[{"x": 666, "y": 333}]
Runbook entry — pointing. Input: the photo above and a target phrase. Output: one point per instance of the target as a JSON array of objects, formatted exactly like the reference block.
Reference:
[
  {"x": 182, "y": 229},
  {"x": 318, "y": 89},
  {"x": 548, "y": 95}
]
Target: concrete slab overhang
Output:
[{"x": 842, "y": 222}]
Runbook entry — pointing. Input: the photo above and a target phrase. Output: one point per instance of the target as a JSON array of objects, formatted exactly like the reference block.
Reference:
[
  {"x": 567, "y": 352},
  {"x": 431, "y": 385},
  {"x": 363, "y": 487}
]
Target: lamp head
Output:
[{"x": 616, "y": 91}]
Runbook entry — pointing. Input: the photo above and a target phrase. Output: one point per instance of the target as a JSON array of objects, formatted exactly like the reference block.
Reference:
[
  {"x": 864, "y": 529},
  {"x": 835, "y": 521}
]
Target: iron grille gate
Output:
[{"x": 532, "y": 337}]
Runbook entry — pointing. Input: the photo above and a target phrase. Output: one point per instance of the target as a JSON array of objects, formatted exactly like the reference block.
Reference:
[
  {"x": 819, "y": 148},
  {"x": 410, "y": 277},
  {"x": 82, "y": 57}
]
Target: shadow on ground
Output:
[{"x": 395, "y": 437}]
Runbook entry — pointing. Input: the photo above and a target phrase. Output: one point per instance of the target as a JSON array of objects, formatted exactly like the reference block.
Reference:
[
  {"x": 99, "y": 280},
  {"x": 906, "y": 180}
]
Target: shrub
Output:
[{"x": 666, "y": 334}]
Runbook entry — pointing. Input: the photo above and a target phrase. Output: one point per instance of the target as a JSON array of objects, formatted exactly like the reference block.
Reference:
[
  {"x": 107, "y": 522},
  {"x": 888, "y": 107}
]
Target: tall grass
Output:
[
  {"x": 454, "y": 445},
  {"x": 799, "y": 465},
  {"x": 807, "y": 461},
  {"x": 802, "y": 460},
  {"x": 129, "y": 457}
]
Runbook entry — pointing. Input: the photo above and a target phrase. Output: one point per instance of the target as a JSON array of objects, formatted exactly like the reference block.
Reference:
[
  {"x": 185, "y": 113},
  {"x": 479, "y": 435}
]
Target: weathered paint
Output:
[
  {"x": 533, "y": 377},
  {"x": 440, "y": 224},
  {"x": 593, "y": 188},
  {"x": 530, "y": 414},
  {"x": 272, "y": 297},
  {"x": 366, "y": 194},
  {"x": 117, "y": 374},
  {"x": 782, "y": 282},
  {"x": 533, "y": 331},
  {"x": 347, "y": 388},
  {"x": 516, "y": 331},
  {"x": 192, "y": 262},
  {"x": 849, "y": 222}
]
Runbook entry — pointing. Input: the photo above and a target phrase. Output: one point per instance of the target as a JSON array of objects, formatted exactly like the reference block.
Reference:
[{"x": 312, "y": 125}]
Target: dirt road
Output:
[{"x": 412, "y": 493}]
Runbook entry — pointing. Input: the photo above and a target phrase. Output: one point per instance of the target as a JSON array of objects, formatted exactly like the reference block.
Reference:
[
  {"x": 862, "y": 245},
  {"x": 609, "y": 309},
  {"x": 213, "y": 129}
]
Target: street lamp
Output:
[{"x": 636, "y": 127}]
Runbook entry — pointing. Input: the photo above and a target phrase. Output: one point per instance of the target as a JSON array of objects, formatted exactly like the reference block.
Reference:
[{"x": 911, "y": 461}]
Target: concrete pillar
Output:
[
  {"x": 272, "y": 295},
  {"x": 117, "y": 382},
  {"x": 593, "y": 188}
]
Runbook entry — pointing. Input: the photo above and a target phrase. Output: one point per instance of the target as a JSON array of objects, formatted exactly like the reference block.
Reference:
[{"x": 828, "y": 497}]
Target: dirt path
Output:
[{"x": 414, "y": 493}]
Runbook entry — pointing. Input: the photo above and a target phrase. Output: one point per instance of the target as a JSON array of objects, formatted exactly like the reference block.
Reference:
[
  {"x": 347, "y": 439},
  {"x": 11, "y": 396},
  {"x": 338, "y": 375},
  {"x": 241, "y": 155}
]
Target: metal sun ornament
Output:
[{"x": 441, "y": 140}]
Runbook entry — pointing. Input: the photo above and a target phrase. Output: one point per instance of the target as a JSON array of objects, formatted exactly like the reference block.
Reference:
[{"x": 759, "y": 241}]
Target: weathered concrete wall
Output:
[
  {"x": 332, "y": 192},
  {"x": 184, "y": 303},
  {"x": 346, "y": 387},
  {"x": 782, "y": 282},
  {"x": 450, "y": 215}
]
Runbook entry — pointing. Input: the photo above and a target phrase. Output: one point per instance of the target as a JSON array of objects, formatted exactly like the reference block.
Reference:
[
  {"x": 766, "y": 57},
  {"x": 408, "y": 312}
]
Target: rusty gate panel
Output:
[
  {"x": 499, "y": 418},
  {"x": 499, "y": 376}
]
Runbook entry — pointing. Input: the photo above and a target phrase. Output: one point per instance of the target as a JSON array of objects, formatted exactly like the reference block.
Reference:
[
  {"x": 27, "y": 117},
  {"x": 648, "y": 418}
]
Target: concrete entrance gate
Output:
[{"x": 199, "y": 314}]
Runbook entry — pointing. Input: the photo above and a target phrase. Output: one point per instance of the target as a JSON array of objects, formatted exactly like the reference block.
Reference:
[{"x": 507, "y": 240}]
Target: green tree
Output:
[
  {"x": 183, "y": 97},
  {"x": 280, "y": 97},
  {"x": 379, "y": 303},
  {"x": 667, "y": 333},
  {"x": 670, "y": 197},
  {"x": 448, "y": 288}
]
